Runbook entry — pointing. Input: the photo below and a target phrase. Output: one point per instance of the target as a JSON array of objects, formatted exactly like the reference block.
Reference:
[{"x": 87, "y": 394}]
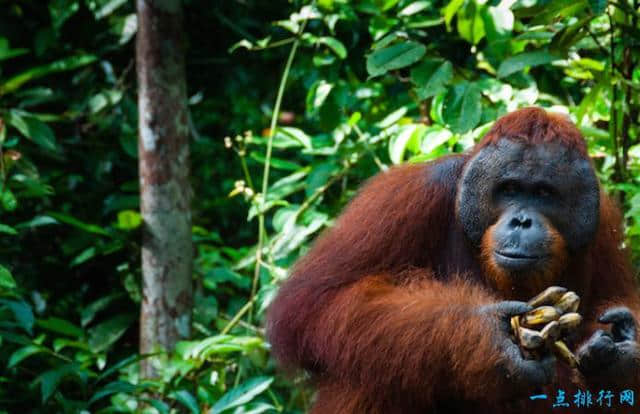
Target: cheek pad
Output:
[
  {"x": 474, "y": 202},
  {"x": 576, "y": 216}
]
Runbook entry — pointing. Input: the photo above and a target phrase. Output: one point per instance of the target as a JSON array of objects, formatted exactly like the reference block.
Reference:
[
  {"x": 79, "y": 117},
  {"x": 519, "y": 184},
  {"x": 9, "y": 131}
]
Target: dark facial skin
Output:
[{"x": 528, "y": 192}]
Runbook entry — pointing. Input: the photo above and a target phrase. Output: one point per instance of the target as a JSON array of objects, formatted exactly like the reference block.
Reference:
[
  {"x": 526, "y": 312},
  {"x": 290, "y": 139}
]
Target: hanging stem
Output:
[{"x": 267, "y": 163}]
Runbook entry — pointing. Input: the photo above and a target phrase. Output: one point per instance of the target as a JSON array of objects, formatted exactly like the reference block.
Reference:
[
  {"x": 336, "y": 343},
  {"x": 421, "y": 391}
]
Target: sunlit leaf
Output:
[
  {"x": 129, "y": 219},
  {"x": 39, "y": 71},
  {"x": 103, "y": 8},
  {"x": 242, "y": 394},
  {"x": 394, "y": 57},
  {"x": 6, "y": 279},
  {"x": 185, "y": 398},
  {"x": 23, "y": 353},
  {"x": 524, "y": 60},
  {"x": 335, "y": 45},
  {"x": 61, "y": 10},
  {"x": 450, "y": 11},
  {"x": 408, "y": 136},
  {"x": 112, "y": 388},
  {"x": 415, "y": 7},
  {"x": 32, "y": 128},
  {"x": 431, "y": 77},
  {"x": 103, "y": 335},
  {"x": 470, "y": 23},
  {"x": 462, "y": 107}
]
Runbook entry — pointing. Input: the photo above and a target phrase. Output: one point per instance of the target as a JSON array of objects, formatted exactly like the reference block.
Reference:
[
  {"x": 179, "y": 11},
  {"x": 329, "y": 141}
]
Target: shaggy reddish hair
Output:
[{"x": 380, "y": 311}]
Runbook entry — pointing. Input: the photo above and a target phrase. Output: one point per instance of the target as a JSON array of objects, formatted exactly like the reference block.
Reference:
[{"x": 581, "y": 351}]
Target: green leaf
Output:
[
  {"x": 132, "y": 359},
  {"x": 217, "y": 345},
  {"x": 450, "y": 10},
  {"x": 103, "y": 8},
  {"x": 470, "y": 23},
  {"x": 106, "y": 333},
  {"x": 84, "y": 256},
  {"x": 288, "y": 185},
  {"x": 408, "y": 136},
  {"x": 498, "y": 25},
  {"x": 296, "y": 230},
  {"x": 6, "y": 279},
  {"x": 569, "y": 36},
  {"x": 112, "y": 388},
  {"x": 415, "y": 7},
  {"x": 9, "y": 201},
  {"x": 434, "y": 137},
  {"x": 60, "y": 326},
  {"x": 161, "y": 406},
  {"x": 589, "y": 101},
  {"x": 254, "y": 408},
  {"x": 61, "y": 10},
  {"x": 394, "y": 57},
  {"x": 90, "y": 311},
  {"x": 129, "y": 219},
  {"x": 297, "y": 135},
  {"x": 462, "y": 107},
  {"x": 126, "y": 28},
  {"x": 7, "y": 230},
  {"x": 523, "y": 60},
  {"x": 72, "y": 221},
  {"x": 277, "y": 163},
  {"x": 242, "y": 394},
  {"x": 22, "y": 353},
  {"x": 32, "y": 128},
  {"x": 335, "y": 45},
  {"x": 37, "y": 221},
  {"x": 392, "y": 118},
  {"x": 559, "y": 9},
  {"x": 431, "y": 77},
  {"x": 7, "y": 53},
  {"x": 185, "y": 398},
  {"x": 39, "y": 71},
  {"x": 598, "y": 6},
  {"x": 224, "y": 275},
  {"x": 50, "y": 379},
  {"x": 317, "y": 95},
  {"x": 21, "y": 312}
]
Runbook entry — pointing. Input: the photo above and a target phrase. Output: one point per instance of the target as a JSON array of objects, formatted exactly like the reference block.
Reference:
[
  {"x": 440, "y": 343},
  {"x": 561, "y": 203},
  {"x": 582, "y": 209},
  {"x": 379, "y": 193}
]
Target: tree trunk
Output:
[{"x": 163, "y": 151}]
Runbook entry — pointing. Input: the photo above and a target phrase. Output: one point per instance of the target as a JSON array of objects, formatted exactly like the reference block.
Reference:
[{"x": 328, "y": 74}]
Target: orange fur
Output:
[
  {"x": 380, "y": 312},
  {"x": 525, "y": 285}
]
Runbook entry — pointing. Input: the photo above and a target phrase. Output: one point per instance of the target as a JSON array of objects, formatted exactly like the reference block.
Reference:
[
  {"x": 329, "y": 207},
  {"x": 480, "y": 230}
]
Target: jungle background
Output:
[{"x": 291, "y": 106}]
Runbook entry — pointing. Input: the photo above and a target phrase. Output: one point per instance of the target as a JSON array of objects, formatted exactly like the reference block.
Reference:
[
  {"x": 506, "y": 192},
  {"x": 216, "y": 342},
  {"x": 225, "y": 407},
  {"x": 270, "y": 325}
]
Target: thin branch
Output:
[{"x": 238, "y": 315}]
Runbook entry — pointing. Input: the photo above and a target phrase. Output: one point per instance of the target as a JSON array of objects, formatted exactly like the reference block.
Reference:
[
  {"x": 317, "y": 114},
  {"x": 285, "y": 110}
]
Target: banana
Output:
[
  {"x": 569, "y": 321},
  {"x": 540, "y": 315},
  {"x": 569, "y": 302},
  {"x": 551, "y": 332},
  {"x": 562, "y": 350},
  {"x": 530, "y": 339},
  {"x": 548, "y": 297},
  {"x": 515, "y": 324},
  {"x": 553, "y": 317}
]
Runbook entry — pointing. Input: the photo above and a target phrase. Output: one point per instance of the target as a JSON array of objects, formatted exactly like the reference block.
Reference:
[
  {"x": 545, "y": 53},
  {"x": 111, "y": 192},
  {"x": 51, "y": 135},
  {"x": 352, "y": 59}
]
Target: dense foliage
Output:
[{"x": 293, "y": 105}]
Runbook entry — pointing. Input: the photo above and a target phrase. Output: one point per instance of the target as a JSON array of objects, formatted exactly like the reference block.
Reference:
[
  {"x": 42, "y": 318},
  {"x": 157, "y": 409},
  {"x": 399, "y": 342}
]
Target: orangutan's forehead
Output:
[{"x": 551, "y": 161}]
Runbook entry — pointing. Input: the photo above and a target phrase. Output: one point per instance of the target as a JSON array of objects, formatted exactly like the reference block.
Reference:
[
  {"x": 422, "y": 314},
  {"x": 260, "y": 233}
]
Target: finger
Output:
[
  {"x": 539, "y": 372},
  {"x": 509, "y": 308},
  {"x": 598, "y": 352},
  {"x": 624, "y": 324}
]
